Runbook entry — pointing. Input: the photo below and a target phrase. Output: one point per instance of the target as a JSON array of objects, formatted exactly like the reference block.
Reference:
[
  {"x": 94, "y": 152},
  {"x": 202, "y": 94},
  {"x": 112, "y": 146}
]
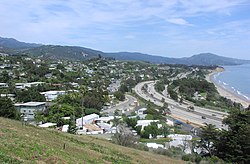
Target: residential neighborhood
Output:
[{"x": 100, "y": 97}]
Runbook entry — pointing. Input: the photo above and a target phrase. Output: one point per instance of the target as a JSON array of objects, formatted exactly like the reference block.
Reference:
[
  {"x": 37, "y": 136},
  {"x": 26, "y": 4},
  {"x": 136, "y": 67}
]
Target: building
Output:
[
  {"x": 155, "y": 145},
  {"x": 4, "y": 85},
  {"x": 180, "y": 140},
  {"x": 48, "y": 124},
  {"x": 30, "y": 108},
  {"x": 144, "y": 123},
  {"x": 86, "y": 120},
  {"x": 27, "y": 85},
  {"x": 10, "y": 96},
  {"x": 52, "y": 95}
]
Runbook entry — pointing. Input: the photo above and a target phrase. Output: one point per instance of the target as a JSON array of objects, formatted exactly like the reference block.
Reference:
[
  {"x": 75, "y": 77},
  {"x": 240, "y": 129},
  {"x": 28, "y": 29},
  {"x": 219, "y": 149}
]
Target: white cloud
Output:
[{"x": 178, "y": 21}]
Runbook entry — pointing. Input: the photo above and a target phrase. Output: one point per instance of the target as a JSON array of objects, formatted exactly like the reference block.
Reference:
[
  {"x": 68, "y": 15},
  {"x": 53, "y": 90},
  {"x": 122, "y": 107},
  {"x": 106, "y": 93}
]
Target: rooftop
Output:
[{"x": 30, "y": 104}]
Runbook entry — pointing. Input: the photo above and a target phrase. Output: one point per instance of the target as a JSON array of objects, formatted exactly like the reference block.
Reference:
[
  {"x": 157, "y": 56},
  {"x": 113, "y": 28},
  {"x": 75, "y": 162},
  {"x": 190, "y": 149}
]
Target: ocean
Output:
[{"x": 236, "y": 79}]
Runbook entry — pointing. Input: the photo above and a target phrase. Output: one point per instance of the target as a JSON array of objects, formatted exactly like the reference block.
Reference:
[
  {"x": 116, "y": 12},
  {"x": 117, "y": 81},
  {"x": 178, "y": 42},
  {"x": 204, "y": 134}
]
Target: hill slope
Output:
[
  {"x": 15, "y": 44},
  {"x": 28, "y": 144}
]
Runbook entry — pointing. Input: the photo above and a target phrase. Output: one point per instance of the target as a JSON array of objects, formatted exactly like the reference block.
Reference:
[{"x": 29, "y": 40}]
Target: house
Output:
[
  {"x": 89, "y": 129},
  {"x": 180, "y": 140},
  {"x": 141, "y": 113},
  {"x": 20, "y": 85},
  {"x": 27, "y": 85},
  {"x": 10, "y": 96},
  {"x": 52, "y": 95},
  {"x": 104, "y": 119},
  {"x": 154, "y": 145},
  {"x": 65, "y": 128},
  {"x": 170, "y": 122},
  {"x": 47, "y": 125},
  {"x": 144, "y": 123},
  {"x": 86, "y": 120},
  {"x": 4, "y": 85},
  {"x": 29, "y": 109}
]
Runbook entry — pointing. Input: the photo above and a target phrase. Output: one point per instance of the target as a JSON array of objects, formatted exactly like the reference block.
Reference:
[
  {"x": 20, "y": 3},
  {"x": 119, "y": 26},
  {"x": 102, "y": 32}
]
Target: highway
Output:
[
  {"x": 180, "y": 111},
  {"x": 124, "y": 105}
]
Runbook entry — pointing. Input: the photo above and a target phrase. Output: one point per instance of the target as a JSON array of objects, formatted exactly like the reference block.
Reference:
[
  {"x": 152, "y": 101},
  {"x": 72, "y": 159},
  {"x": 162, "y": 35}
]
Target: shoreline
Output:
[{"x": 225, "y": 92}]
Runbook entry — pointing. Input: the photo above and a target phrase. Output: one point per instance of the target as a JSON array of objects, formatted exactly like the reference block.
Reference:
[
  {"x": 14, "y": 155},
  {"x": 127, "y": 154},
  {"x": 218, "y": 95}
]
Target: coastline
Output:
[{"x": 225, "y": 92}]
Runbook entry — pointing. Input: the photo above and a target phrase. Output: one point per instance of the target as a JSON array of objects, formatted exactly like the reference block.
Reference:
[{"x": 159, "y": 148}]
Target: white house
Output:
[
  {"x": 24, "y": 85},
  {"x": 104, "y": 119},
  {"x": 169, "y": 122},
  {"x": 46, "y": 125},
  {"x": 180, "y": 140},
  {"x": 52, "y": 95},
  {"x": 10, "y": 96},
  {"x": 4, "y": 85},
  {"x": 140, "y": 113},
  {"x": 86, "y": 119},
  {"x": 65, "y": 128},
  {"x": 28, "y": 109},
  {"x": 154, "y": 145},
  {"x": 145, "y": 123}
]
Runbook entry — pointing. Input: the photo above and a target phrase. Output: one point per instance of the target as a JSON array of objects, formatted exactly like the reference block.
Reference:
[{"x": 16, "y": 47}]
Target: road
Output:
[
  {"x": 124, "y": 105},
  {"x": 180, "y": 111}
]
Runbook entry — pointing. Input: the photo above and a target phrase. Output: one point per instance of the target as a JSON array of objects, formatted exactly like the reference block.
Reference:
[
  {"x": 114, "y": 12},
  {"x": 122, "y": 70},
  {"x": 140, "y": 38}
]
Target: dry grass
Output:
[{"x": 28, "y": 144}]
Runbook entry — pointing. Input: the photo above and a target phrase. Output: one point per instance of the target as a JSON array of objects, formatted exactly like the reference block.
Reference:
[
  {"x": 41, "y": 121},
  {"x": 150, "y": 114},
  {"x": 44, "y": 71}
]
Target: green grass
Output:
[{"x": 29, "y": 144}]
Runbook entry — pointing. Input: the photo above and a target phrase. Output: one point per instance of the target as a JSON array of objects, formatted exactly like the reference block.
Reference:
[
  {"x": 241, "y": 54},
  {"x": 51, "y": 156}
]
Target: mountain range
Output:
[{"x": 15, "y": 47}]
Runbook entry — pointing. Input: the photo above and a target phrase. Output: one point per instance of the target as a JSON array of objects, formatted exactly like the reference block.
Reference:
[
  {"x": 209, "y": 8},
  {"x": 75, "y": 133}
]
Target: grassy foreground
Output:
[{"x": 28, "y": 144}]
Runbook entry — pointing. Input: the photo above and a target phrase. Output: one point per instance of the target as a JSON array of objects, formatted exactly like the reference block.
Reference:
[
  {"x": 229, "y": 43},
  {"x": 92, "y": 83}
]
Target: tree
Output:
[
  {"x": 72, "y": 125},
  {"x": 209, "y": 136},
  {"x": 151, "y": 129},
  {"x": 124, "y": 136},
  {"x": 5, "y": 77},
  {"x": 32, "y": 94},
  {"x": 131, "y": 122},
  {"x": 234, "y": 144},
  {"x": 165, "y": 131},
  {"x": 119, "y": 95},
  {"x": 7, "y": 109}
]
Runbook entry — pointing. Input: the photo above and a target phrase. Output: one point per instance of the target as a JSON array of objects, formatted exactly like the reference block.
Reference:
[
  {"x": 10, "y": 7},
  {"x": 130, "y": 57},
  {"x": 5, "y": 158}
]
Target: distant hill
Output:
[
  {"x": 15, "y": 47},
  {"x": 211, "y": 59},
  {"x": 140, "y": 57},
  {"x": 28, "y": 144},
  {"x": 199, "y": 59},
  {"x": 62, "y": 52},
  {"x": 13, "y": 43}
]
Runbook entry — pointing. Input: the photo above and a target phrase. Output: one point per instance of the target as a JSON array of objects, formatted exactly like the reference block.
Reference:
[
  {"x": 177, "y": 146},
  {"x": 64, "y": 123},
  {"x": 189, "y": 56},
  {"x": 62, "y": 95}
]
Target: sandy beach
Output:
[{"x": 224, "y": 92}]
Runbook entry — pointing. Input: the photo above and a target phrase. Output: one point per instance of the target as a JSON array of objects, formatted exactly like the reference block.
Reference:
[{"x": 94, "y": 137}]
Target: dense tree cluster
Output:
[
  {"x": 7, "y": 109},
  {"x": 232, "y": 145}
]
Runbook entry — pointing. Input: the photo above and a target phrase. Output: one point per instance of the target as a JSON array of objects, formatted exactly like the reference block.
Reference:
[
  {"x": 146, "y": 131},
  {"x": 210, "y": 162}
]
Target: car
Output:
[{"x": 203, "y": 117}]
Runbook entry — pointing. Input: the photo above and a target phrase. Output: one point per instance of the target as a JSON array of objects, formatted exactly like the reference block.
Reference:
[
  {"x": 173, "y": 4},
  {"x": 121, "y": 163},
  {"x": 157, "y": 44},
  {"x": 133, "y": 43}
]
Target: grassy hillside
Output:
[{"x": 28, "y": 144}]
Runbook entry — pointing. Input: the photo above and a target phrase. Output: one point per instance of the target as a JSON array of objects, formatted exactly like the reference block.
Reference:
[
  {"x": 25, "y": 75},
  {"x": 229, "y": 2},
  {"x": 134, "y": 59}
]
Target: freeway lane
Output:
[
  {"x": 179, "y": 110},
  {"x": 216, "y": 115},
  {"x": 122, "y": 105}
]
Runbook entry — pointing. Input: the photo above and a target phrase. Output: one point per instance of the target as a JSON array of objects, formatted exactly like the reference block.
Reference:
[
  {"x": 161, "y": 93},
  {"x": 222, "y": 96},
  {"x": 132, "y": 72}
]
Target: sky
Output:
[{"x": 171, "y": 28}]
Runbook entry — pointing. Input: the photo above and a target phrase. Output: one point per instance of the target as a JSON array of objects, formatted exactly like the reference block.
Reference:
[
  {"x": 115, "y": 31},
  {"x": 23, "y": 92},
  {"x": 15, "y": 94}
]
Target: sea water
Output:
[{"x": 235, "y": 79}]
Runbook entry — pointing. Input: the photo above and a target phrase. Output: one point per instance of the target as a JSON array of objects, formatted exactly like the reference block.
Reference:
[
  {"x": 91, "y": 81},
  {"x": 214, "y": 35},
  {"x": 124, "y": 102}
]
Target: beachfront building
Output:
[{"x": 29, "y": 109}]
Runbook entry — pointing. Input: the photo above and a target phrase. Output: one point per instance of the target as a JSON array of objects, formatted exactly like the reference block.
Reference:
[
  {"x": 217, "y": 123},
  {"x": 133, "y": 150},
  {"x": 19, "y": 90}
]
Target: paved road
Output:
[
  {"x": 180, "y": 111},
  {"x": 122, "y": 105}
]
